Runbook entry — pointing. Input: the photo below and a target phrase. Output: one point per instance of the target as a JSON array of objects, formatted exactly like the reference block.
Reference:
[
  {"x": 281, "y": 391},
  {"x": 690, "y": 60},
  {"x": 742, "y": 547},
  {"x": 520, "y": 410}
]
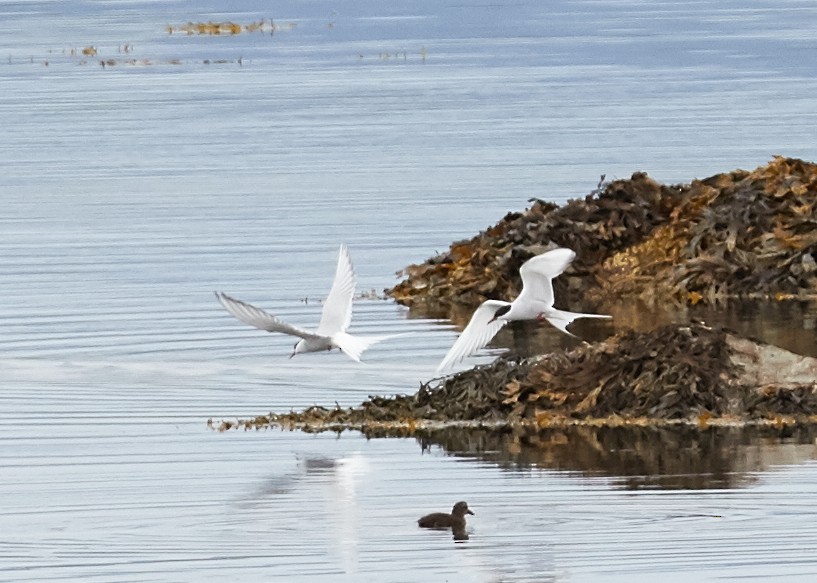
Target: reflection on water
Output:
[
  {"x": 787, "y": 324},
  {"x": 343, "y": 471},
  {"x": 637, "y": 457}
]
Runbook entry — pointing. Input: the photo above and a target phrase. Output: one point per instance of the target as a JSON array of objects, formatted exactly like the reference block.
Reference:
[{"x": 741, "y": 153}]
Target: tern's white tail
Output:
[
  {"x": 561, "y": 319},
  {"x": 354, "y": 346}
]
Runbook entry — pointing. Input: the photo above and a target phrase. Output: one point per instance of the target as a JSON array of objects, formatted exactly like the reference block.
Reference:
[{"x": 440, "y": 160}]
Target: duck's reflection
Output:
[
  {"x": 459, "y": 534},
  {"x": 637, "y": 457}
]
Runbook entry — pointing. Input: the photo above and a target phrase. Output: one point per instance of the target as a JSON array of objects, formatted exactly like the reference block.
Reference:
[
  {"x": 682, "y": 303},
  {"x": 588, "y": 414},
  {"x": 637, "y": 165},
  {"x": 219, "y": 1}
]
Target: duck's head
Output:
[{"x": 461, "y": 509}]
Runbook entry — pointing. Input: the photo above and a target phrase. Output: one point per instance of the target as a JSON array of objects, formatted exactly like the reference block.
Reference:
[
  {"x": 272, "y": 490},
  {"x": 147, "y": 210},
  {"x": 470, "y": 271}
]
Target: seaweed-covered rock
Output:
[
  {"x": 741, "y": 234},
  {"x": 477, "y": 396},
  {"x": 673, "y": 372},
  {"x": 677, "y": 373},
  {"x": 737, "y": 234}
]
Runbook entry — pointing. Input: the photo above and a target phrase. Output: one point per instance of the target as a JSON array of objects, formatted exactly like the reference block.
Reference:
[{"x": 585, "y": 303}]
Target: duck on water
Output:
[{"x": 442, "y": 520}]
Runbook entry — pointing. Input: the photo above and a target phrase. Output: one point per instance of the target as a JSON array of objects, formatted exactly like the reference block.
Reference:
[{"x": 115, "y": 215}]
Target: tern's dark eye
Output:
[{"x": 295, "y": 345}]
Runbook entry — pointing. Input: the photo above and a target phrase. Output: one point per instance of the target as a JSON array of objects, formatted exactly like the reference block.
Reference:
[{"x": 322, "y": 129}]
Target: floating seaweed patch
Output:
[
  {"x": 229, "y": 28},
  {"x": 125, "y": 58},
  {"x": 400, "y": 56},
  {"x": 105, "y": 63}
]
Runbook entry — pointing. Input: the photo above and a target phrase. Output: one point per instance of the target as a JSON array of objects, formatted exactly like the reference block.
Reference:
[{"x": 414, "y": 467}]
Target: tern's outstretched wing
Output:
[
  {"x": 353, "y": 346},
  {"x": 561, "y": 319},
  {"x": 477, "y": 333},
  {"x": 337, "y": 309},
  {"x": 537, "y": 273},
  {"x": 259, "y": 318}
]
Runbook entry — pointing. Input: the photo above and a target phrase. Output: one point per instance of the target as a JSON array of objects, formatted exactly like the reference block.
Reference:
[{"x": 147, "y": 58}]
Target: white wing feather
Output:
[
  {"x": 477, "y": 334},
  {"x": 260, "y": 319},
  {"x": 561, "y": 319},
  {"x": 353, "y": 346},
  {"x": 537, "y": 273},
  {"x": 337, "y": 309}
]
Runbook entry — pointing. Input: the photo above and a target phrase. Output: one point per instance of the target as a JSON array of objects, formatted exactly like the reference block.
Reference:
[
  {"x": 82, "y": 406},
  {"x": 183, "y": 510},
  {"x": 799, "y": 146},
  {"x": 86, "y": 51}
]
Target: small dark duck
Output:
[{"x": 454, "y": 521}]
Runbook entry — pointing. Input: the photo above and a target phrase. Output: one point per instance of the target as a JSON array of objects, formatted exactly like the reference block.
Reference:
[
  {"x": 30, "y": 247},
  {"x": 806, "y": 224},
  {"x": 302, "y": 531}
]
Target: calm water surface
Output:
[{"x": 130, "y": 192}]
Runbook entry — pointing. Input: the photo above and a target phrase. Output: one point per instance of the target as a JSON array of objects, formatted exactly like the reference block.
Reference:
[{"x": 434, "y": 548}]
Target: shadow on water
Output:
[{"x": 636, "y": 457}]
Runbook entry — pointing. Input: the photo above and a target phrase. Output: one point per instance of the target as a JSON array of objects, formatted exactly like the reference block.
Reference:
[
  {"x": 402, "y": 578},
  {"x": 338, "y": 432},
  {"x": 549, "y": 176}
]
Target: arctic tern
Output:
[
  {"x": 535, "y": 302},
  {"x": 335, "y": 317}
]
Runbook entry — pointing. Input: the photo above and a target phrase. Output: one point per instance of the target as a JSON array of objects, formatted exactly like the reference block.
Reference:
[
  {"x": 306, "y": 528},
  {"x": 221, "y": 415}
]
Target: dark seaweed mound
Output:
[
  {"x": 670, "y": 373},
  {"x": 688, "y": 373},
  {"x": 738, "y": 234}
]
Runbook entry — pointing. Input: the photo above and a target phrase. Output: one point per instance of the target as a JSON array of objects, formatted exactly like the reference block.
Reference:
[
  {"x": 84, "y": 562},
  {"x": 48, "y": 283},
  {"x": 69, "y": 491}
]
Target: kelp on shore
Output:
[
  {"x": 687, "y": 374},
  {"x": 736, "y": 234}
]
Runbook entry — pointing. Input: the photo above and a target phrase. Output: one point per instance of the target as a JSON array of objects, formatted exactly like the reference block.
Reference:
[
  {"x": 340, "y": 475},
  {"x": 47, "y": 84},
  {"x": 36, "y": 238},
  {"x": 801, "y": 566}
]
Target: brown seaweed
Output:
[
  {"x": 679, "y": 373},
  {"x": 738, "y": 234},
  {"x": 229, "y": 28}
]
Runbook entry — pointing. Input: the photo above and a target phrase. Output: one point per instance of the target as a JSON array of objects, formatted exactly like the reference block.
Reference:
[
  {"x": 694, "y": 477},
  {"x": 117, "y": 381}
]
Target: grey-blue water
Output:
[{"x": 190, "y": 163}]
